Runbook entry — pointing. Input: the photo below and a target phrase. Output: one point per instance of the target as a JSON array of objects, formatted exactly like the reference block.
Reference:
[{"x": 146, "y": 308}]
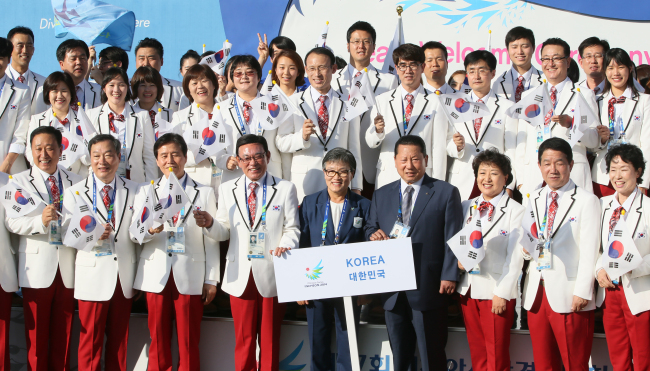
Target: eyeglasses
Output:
[
  {"x": 413, "y": 66},
  {"x": 593, "y": 56},
  {"x": 333, "y": 173},
  {"x": 554, "y": 59},
  {"x": 256, "y": 157},
  {"x": 249, "y": 73},
  {"x": 321, "y": 69},
  {"x": 480, "y": 71},
  {"x": 359, "y": 42}
]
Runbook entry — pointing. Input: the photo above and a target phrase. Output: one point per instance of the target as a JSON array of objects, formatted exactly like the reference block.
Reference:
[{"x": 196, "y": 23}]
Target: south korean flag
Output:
[
  {"x": 533, "y": 107},
  {"x": 160, "y": 125},
  {"x": 272, "y": 109},
  {"x": 72, "y": 149},
  {"x": 355, "y": 105},
  {"x": 217, "y": 61},
  {"x": 171, "y": 199},
  {"x": 83, "y": 128},
  {"x": 17, "y": 201},
  {"x": 583, "y": 118},
  {"x": 207, "y": 137},
  {"x": 362, "y": 82},
  {"x": 143, "y": 217},
  {"x": 620, "y": 254},
  {"x": 458, "y": 108},
  {"x": 467, "y": 244},
  {"x": 84, "y": 231}
]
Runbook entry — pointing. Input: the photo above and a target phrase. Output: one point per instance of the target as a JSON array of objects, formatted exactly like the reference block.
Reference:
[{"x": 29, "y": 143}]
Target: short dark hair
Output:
[
  {"x": 105, "y": 138},
  {"x": 593, "y": 41},
  {"x": 111, "y": 74},
  {"x": 68, "y": 45},
  {"x": 340, "y": 62},
  {"x": 492, "y": 156},
  {"x": 481, "y": 55},
  {"x": 629, "y": 153},
  {"x": 573, "y": 72},
  {"x": 319, "y": 50},
  {"x": 251, "y": 139},
  {"x": 559, "y": 42},
  {"x": 170, "y": 138},
  {"x": 362, "y": 26},
  {"x": 150, "y": 75},
  {"x": 339, "y": 154},
  {"x": 150, "y": 42},
  {"x": 51, "y": 130},
  {"x": 555, "y": 144},
  {"x": 408, "y": 52},
  {"x": 281, "y": 42},
  {"x": 411, "y": 140},
  {"x": 642, "y": 74},
  {"x": 620, "y": 56},
  {"x": 20, "y": 30},
  {"x": 115, "y": 54},
  {"x": 435, "y": 45},
  {"x": 52, "y": 81},
  {"x": 246, "y": 61},
  {"x": 189, "y": 54},
  {"x": 519, "y": 32},
  {"x": 295, "y": 58},
  {"x": 6, "y": 48},
  {"x": 198, "y": 71}
]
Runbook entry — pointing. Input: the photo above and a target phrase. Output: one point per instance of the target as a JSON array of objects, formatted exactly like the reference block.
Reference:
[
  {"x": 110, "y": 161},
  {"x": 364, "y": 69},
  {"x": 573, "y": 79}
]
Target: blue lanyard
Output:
[
  {"x": 110, "y": 208},
  {"x": 405, "y": 123},
  {"x": 241, "y": 122},
  {"x": 325, "y": 219},
  {"x": 182, "y": 218},
  {"x": 60, "y": 192},
  {"x": 263, "y": 218},
  {"x": 399, "y": 210}
]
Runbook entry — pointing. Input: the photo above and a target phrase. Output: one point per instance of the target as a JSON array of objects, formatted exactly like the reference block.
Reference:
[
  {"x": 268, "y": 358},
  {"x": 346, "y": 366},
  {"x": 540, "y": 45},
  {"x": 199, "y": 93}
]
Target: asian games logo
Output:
[{"x": 314, "y": 273}]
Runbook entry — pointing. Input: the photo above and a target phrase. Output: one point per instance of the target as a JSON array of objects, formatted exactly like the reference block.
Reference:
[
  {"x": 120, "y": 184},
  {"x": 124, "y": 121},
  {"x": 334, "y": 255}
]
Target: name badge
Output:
[
  {"x": 121, "y": 169},
  {"x": 175, "y": 239},
  {"x": 545, "y": 258},
  {"x": 104, "y": 247},
  {"x": 54, "y": 232},
  {"x": 256, "y": 245},
  {"x": 475, "y": 270},
  {"x": 399, "y": 230},
  {"x": 358, "y": 222}
]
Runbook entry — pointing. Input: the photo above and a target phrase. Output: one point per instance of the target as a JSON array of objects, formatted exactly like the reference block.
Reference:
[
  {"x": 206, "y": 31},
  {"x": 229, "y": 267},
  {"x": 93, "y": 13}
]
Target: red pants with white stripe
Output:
[{"x": 5, "y": 318}]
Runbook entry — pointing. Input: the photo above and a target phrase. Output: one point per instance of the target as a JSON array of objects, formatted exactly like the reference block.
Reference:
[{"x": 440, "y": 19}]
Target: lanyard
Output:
[
  {"x": 406, "y": 124},
  {"x": 182, "y": 218},
  {"x": 60, "y": 193},
  {"x": 399, "y": 206},
  {"x": 263, "y": 217},
  {"x": 241, "y": 121},
  {"x": 109, "y": 217},
  {"x": 325, "y": 219}
]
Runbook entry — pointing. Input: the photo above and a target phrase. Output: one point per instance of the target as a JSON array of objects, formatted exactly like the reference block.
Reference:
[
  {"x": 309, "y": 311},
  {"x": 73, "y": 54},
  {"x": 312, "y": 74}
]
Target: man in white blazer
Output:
[
  {"x": 149, "y": 52},
  {"x": 409, "y": 109},
  {"x": 320, "y": 126},
  {"x": 563, "y": 93},
  {"x": 73, "y": 55},
  {"x": 496, "y": 130},
  {"x": 23, "y": 40},
  {"x": 257, "y": 202},
  {"x": 45, "y": 270},
  {"x": 178, "y": 283},
  {"x": 361, "y": 38},
  {"x": 561, "y": 318},
  {"x": 435, "y": 68},
  {"x": 520, "y": 42},
  {"x": 104, "y": 278}
]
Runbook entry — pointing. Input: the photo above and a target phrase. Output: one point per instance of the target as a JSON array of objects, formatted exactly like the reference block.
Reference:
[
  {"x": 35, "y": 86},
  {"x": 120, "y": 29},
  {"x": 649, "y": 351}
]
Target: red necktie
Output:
[
  {"x": 65, "y": 121},
  {"x": 477, "y": 123},
  {"x": 357, "y": 74},
  {"x": 409, "y": 110},
  {"x": 486, "y": 206},
  {"x": 107, "y": 203},
  {"x": 56, "y": 193},
  {"x": 21, "y": 79},
  {"x": 252, "y": 202},
  {"x": 616, "y": 215},
  {"x": 152, "y": 115},
  {"x": 552, "y": 209},
  {"x": 323, "y": 116},
  {"x": 111, "y": 118},
  {"x": 596, "y": 90},
  {"x": 610, "y": 105},
  {"x": 210, "y": 115},
  {"x": 247, "y": 113},
  {"x": 520, "y": 89},
  {"x": 549, "y": 114}
]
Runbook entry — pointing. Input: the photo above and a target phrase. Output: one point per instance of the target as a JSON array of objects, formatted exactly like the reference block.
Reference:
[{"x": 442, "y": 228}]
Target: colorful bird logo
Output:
[{"x": 316, "y": 272}]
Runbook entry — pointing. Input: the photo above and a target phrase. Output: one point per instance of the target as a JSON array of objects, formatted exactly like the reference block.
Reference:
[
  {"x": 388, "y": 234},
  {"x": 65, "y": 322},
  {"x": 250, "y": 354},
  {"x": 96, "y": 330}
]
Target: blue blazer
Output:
[
  {"x": 436, "y": 217},
  {"x": 312, "y": 213}
]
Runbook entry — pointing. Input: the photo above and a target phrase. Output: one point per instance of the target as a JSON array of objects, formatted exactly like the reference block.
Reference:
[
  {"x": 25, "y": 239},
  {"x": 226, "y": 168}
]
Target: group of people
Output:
[{"x": 275, "y": 190}]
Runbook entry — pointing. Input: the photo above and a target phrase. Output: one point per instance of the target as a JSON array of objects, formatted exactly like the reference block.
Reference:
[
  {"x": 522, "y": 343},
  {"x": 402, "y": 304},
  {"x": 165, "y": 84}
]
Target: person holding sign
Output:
[
  {"x": 625, "y": 299},
  {"x": 559, "y": 288},
  {"x": 104, "y": 275},
  {"x": 624, "y": 116},
  {"x": 261, "y": 205},
  {"x": 488, "y": 289},
  {"x": 46, "y": 267},
  {"x": 332, "y": 216},
  {"x": 178, "y": 278},
  {"x": 429, "y": 211}
]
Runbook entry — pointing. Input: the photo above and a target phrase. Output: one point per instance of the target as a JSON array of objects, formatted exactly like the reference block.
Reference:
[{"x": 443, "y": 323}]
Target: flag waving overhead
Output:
[
  {"x": 530, "y": 236},
  {"x": 17, "y": 201},
  {"x": 398, "y": 39},
  {"x": 532, "y": 107},
  {"x": 459, "y": 109},
  {"x": 620, "y": 254},
  {"x": 94, "y": 22},
  {"x": 272, "y": 109},
  {"x": 322, "y": 38},
  {"x": 83, "y": 232},
  {"x": 144, "y": 216},
  {"x": 171, "y": 200},
  {"x": 217, "y": 61},
  {"x": 583, "y": 117},
  {"x": 207, "y": 137},
  {"x": 467, "y": 244}
]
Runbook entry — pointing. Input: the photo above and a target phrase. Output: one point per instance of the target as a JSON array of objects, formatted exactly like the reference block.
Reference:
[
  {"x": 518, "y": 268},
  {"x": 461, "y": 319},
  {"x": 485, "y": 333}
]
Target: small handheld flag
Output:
[
  {"x": 533, "y": 107},
  {"x": 172, "y": 198},
  {"x": 272, "y": 109},
  {"x": 322, "y": 38},
  {"x": 467, "y": 244},
  {"x": 217, "y": 61},
  {"x": 84, "y": 231},
  {"x": 459, "y": 109},
  {"x": 17, "y": 201},
  {"x": 268, "y": 84},
  {"x": 143, "y": 217},
  {"x": 398, "y": 39},
  {"x": 583, "y": 118},
  {"x": 620, "y": 254}
]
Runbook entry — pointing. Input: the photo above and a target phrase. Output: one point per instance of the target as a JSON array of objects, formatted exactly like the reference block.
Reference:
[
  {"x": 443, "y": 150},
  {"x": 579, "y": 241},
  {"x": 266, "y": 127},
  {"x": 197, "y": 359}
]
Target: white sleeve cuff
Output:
[{"x": 17, "y": 148}]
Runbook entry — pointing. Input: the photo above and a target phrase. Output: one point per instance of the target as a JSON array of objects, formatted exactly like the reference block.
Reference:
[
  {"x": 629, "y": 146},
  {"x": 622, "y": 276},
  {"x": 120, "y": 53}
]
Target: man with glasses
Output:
[
  {"x": 320, "y": 126},
  {"x": 520, "y": 42},
  {"x": 592, "y": 56},
  {"x": 409, "y": 109},
  {"x": 262, "y": 205},
  {"x": 23, "y": 40},
  {"x": 558, "y": 121}
]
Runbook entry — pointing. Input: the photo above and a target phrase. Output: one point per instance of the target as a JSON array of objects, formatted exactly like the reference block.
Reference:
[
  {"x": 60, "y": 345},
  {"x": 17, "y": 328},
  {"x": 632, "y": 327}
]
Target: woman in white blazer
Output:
[
  {"x": 624, "y": 115},
  {"x": 146, "y": 93},
  {"x": 625, "y": 305},
  {"x": 491, "y": 290},
  {"x": 117, "y": 117}
]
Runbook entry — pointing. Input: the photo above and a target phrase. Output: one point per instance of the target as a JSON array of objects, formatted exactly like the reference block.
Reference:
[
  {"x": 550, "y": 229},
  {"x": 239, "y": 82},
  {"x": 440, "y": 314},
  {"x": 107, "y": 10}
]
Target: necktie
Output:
[
  {"x": 408, "y": 111},
  {"x": 486, "y": 206},
  {"x": 111, "y": 118},
  {"x": 107, "y": 202},
  {"x": 323, "y": 116},
  {"x": 610, "y": 106},
  {"x": 596, "y": 90},
  {"x": 549, "y": 114},
  {"x": 553, "y": 96},
  {"x": 64, "y": 121},
  {"x": 477, "y": 123},
  {"x": 247, "y": 114},
  {"x": 406, "y": 205},
  {"x": 210, "y": 115},
  {"x": 152, "y": 115},
  {"x": 357, "y": 75},
  {"x": 520, "y": 89},
  {"x": 75, "y": 99},
  {"x": 252, "y": 202},
  {"x": 552, "y": 209},
  {"x": 616, "y": 215},
  {"x": 21, "y": 79},
  {"x": 55, "y": 191}
]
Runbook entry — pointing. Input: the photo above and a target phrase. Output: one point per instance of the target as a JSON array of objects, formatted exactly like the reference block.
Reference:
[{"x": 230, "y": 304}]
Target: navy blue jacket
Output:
[{"x": 436, "y": 217}]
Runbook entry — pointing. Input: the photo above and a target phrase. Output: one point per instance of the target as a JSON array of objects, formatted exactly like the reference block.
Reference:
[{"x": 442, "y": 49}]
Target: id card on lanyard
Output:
[
  {"x": 55, "y": 230},
  {"x": 242, "y": 126},
  {"x": 613, "y": 140},
  {"x": 123, "y": 167},
  {"x": 399, "y": 230},
  {"x": 176, "y": 233},
  {"x": 257, "y": 239},
  {"x": 326, "y": 218},
  {"x": 104, "y": 247}
]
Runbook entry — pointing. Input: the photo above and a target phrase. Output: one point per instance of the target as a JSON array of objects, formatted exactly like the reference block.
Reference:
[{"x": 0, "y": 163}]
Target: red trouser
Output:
[
  {"x": 255, "y": 315},
  {"x": 5, "y": 318},
  {"x": 628, "y": 335},
  {"x": 163, "y": 307},
  {"x": 559, "y": 338},
  {"x": 99, "y": 317},
  {"x": 48, "y": 325},
  {"x": 488, "y": 334},
  {"x": 603, "y": 190}
]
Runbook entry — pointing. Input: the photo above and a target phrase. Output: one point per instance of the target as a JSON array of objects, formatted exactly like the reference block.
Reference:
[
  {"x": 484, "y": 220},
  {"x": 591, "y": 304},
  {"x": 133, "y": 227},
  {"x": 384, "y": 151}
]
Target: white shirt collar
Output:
[
  {"x": 559, "y": 192},
  {"x": 352, "y": 71},
  {"x": 559, "y": 86},
  {"x": 414, "y": 93},
  {"x": 627, "y": 205},
  {"x": 259, "y": 182},
  {"x": 101, "y": 185},
  {"x": 15, "y": 74},
  {"x": 315, "y": 95},
  {"x": 515, "y": 74},
  {"x": 627, "y": 94},
  {"x": 46, "y": 175},
  {"x": 475, "y": 98},
  {"x": 416, "y": 186}
]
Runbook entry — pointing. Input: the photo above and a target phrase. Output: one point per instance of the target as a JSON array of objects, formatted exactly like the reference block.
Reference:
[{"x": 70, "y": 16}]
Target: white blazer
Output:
[
  {"x": 96, "y": 276},
  {"x": 231, "y": 222},
  {"x": 528, "y": 173},
  {"x": 381, "y": 83},
  {"x": 14, "y": 121},
  {"x": 166, "y": 113},
  {"x": 500, "y": 269},
  {"x": 173, "y": 90},
  {"x": 80, "y": 167},
  {"x": 636, "y": 117},
  {"x": 140, "y": 140},
  {"x": 426, "y": 122},
  {"x": 35, "y": 83},
  {"x": 8, "y": 275},
  {"x": 198, "y": 265},
  {"x": 37, "y": 259},
  {"x": 497, "y": 131},
  {"x": 306, "y": 166},
  {"x": 92, "y": 95},
  {"x": 636, "y": 283},
  {"x": 574, "y": 245},
  {"x": 504, "y": 84}
]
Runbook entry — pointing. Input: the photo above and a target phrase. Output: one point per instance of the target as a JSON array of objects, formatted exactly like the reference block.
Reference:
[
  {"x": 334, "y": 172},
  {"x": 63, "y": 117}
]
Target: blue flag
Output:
[{"x": 94, "y": 22}]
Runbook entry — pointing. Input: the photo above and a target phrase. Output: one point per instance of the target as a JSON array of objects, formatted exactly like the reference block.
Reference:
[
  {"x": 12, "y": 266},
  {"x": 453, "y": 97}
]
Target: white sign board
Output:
[{"x": 345, "y": 270}]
